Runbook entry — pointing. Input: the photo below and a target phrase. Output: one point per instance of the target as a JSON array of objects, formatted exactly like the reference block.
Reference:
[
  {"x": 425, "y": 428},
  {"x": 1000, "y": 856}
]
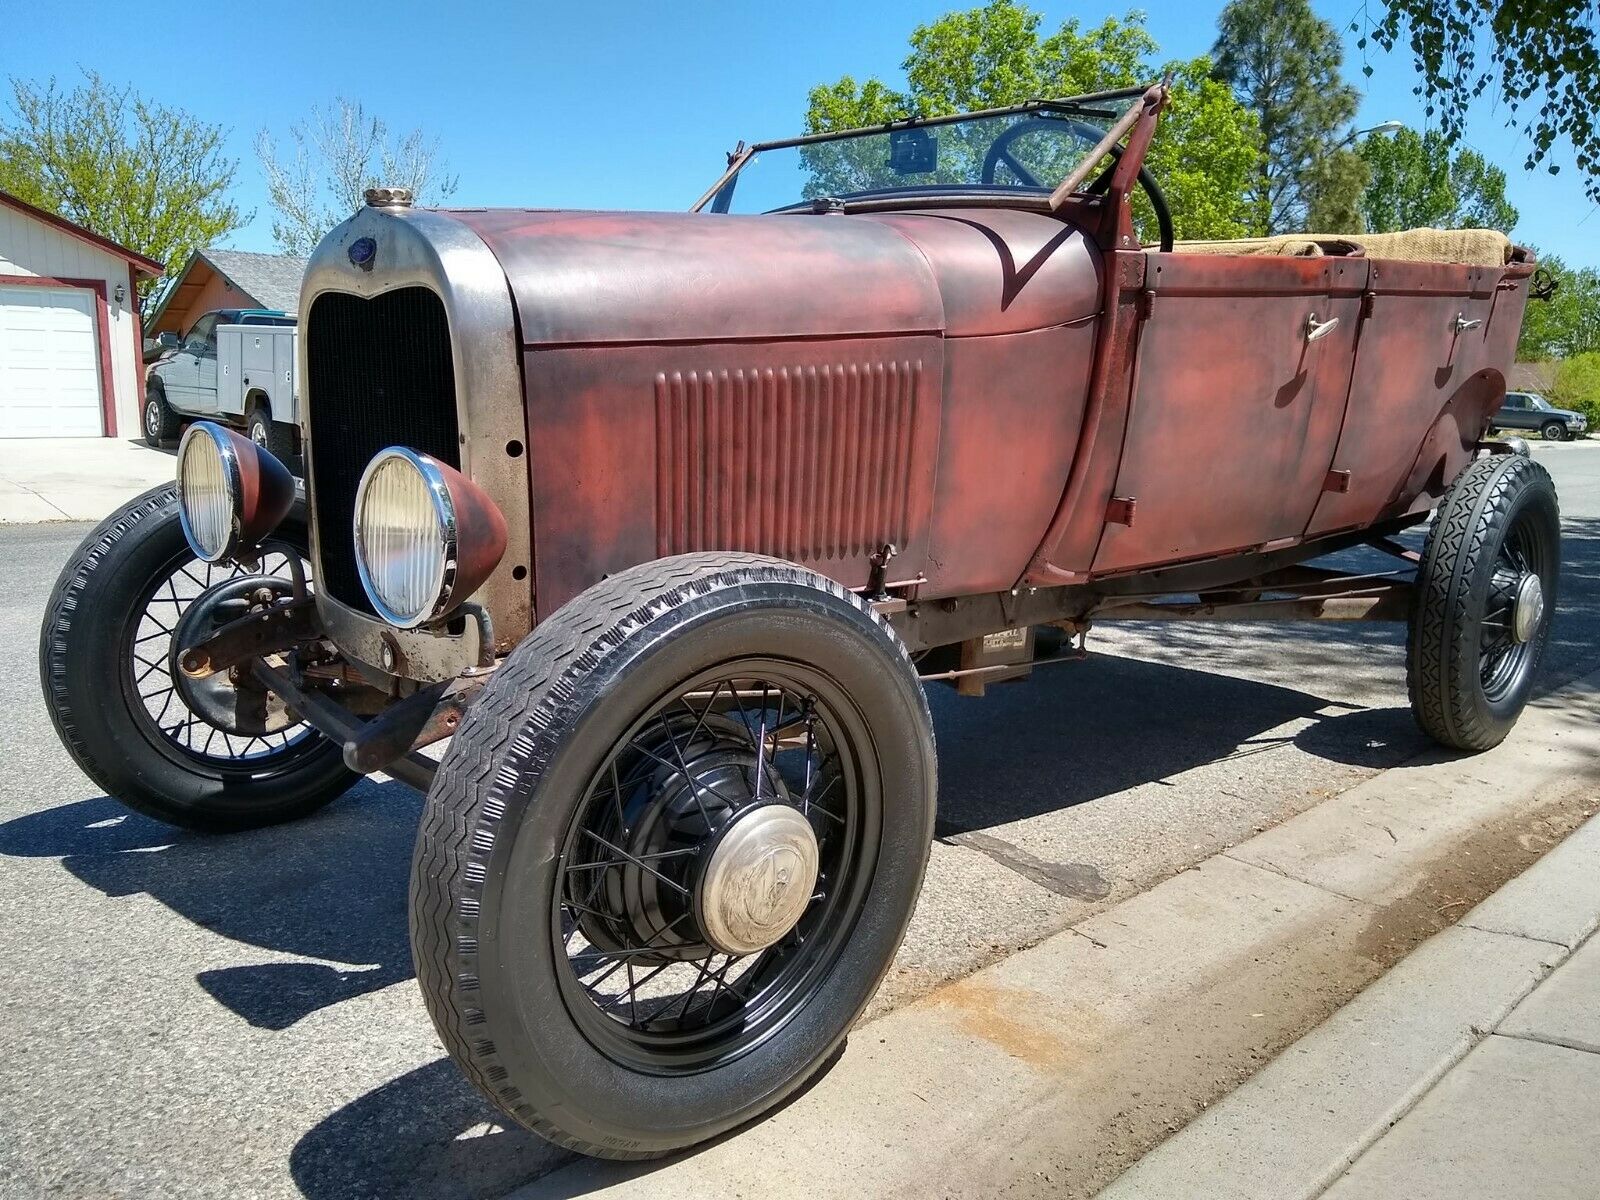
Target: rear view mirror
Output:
[
  {"x": 912, "y": 152},
  {"x": 167, "y": 340}
]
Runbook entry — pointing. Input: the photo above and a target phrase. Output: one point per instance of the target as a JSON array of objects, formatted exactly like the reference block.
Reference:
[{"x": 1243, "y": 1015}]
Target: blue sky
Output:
[{"x": 620, "y": 105}]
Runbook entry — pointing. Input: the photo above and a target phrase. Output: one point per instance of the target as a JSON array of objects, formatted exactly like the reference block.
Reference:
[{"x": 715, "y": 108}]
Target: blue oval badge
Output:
[{"x": 362, "y": 252}]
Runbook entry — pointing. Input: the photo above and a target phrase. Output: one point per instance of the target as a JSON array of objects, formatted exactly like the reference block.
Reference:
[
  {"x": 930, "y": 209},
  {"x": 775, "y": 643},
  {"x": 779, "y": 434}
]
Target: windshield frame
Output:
[{"x": 1079, "y": 106}]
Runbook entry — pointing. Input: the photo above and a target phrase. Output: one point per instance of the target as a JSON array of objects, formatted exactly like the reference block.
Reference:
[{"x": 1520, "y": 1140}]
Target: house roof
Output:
[
  {"x": 271, "y": 280},
  {"x": 267, "y": 280},
  {"x": 139, "y": 262},
  {"x": 1532, "y": 376}
]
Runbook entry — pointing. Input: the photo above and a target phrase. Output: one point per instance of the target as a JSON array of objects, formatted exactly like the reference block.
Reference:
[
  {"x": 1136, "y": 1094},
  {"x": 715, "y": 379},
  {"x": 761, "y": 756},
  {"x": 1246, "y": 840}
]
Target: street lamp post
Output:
[{"x": 1382, "y": 127}]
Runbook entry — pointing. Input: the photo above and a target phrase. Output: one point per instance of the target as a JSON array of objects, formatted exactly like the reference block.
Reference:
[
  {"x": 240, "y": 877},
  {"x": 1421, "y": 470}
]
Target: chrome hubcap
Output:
[
  {"x": 1528, "y": 609},
  {"x": 758, "y": 880}
]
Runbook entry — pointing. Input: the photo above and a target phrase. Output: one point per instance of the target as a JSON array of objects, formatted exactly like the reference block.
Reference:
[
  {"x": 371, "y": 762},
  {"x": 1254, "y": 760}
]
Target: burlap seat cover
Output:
[{"x": 1471, "y": 247}]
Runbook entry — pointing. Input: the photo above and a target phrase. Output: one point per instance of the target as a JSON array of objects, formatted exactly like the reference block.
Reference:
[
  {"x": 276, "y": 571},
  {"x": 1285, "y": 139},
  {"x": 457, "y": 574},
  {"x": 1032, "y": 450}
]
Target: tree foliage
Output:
[
  {"x": 149, "y": 177},
  {"x": 1283, "y": 62},
  {"x": 1568, "y": 324},
  {"x": 1205, "y": 147},
  {"x": 1544, "y": 55},
  {"x": 332, "y": 159},
  {"x": 1577, "y": 386},
  {"x": 1414, "y": 180}
]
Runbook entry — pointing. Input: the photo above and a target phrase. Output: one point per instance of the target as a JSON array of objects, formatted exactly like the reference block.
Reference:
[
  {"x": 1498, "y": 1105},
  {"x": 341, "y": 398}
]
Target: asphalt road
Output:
[{"x": 191, "y": 1016}]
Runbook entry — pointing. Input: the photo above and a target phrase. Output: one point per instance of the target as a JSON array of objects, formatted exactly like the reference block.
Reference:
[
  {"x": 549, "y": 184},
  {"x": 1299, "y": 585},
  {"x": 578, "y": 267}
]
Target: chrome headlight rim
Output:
[
  {"x": 438, "y": 492},
  {"x": 233, "y": 481}
]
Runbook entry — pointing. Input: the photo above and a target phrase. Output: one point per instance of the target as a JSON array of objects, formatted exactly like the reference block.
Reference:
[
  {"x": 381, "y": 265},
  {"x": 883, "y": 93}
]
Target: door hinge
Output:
[
  {"x": 1147, "y": 304},
  {"x": 1120, "y": 510},
  {"x": 1337, "y": 481},
  {"x": 1368, "y": 302}
]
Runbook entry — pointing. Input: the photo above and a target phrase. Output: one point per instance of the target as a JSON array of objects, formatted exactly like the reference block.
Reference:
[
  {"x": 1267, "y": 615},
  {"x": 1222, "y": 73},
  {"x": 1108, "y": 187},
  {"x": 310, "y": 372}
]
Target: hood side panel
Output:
[{"x": 817, "y": 452}]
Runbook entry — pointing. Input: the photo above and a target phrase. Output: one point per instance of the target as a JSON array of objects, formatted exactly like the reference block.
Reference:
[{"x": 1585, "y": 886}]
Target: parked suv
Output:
[
  {"x": 236, "y": 366},
  {"x": 1529, "y": 410}
]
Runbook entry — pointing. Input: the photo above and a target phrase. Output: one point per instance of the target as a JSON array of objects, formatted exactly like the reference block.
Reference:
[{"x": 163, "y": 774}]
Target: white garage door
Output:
[{"x": 49, "y": 363}]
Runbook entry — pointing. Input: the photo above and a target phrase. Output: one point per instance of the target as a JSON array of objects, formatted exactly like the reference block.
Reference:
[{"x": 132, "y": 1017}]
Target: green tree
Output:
[
  {"x": 149, "y": 177},
  {"x": 1205, "y": 147},
  {"x": 1544, "y": 55},
  {"x": 1568, "y": 324},
  {"x": 1414, "y": 180},
  {"x": 1577, "y": 386},
  {"x": 333, "y": 159},
  {"x": 1334, "y": 184},
  {"x": 1282, "y": 62}
]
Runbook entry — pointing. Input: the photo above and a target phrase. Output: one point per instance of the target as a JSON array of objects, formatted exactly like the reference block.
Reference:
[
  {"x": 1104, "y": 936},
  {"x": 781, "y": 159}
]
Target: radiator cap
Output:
[{"x": 389, "y": 197}]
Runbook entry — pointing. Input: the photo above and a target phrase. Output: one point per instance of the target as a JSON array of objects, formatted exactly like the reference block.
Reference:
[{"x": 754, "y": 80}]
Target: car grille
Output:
[{"x": 379, "y": 374}]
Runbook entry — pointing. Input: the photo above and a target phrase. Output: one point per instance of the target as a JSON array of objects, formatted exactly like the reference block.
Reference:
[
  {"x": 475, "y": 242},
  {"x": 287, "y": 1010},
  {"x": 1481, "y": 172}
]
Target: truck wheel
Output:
[
  {"x": 1485, "y": 593},
  {"x": 211, "y": 757},
  {"x": 275, "y": 437},
  {"x": 1553, "y": 431},
  {"x": 672, "y": 850},
  {"x": 160, "y": 422}
]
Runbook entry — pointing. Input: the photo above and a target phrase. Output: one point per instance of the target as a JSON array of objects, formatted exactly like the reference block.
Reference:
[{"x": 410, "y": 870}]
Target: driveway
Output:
[
  {"x": 74, "y": 479},
  {"x": 191, "y": 1016}
]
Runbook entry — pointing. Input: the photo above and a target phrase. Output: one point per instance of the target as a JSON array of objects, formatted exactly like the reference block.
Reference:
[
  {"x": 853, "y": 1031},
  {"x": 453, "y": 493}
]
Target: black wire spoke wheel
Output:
[
  {"x": 218, "y": 754},
  {"x": 653, "y": 987},
  {"x": 1485, "y": 595},
  {"x": 1516, "y": 612},
  {"x": 672, "y": 850},
  {"x": 151, "y": 655}
]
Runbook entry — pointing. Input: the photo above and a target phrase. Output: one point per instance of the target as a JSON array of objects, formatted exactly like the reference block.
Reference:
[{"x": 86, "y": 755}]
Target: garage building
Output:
[{"x": 69, "y": 328}]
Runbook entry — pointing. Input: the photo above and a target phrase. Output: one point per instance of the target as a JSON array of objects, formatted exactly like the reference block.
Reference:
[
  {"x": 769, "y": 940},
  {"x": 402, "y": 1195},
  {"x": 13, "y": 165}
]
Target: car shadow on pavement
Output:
[
  {"x": 329, "y": 888},
  {"x": 1078, "y": 731}
]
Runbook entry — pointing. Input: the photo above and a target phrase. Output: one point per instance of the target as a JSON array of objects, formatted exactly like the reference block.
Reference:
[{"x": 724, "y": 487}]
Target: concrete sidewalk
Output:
[
  {"x": 1445, "y": 1079},
  {"x": 74, "y": 479}
]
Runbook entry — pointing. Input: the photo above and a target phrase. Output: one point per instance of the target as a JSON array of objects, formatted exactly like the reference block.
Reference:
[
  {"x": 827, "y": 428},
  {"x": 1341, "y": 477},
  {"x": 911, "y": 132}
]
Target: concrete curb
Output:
[
  {"x": 1294, "y": 1128},
  {"x": 1055, "y": 1068}
]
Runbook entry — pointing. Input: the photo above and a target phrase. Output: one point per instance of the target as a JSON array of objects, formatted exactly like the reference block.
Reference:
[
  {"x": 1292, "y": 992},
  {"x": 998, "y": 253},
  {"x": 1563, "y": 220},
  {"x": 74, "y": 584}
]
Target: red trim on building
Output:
[
  {"x": 146, "y": 266},
  {"x": 102, "y": 322}
]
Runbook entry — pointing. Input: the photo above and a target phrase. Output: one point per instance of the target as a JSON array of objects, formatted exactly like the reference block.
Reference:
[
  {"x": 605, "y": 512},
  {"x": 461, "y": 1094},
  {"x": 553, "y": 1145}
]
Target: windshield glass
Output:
[
  {"x": 1018, "y": 152},
  {"x": 1539, "y": 401}
]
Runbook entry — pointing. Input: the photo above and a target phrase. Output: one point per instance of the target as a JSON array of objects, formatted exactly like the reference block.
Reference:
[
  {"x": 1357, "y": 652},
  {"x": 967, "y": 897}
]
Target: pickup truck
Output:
[
  {"x": 1531, "y": 411},
  {"x": 236, "y": 366}
]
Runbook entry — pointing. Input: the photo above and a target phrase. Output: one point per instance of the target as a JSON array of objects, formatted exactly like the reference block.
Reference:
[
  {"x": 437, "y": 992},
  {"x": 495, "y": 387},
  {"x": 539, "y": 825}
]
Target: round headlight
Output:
[
  {"x": 405, "y": 536},
  {"x": 231, "y": 492},
  {"x": 426, "y": 536},
  {"x": 209, "y": 491}
]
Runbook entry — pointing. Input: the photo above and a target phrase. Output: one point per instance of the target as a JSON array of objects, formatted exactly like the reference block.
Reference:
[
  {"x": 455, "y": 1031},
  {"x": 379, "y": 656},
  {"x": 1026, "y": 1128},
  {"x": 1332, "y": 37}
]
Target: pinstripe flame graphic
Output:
[{"x": 808, "y": 463}]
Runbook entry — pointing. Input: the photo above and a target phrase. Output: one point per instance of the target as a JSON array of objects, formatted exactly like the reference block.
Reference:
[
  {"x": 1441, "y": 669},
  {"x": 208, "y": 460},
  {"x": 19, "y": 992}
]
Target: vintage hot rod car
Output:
[{"x": 663, "y": 520}]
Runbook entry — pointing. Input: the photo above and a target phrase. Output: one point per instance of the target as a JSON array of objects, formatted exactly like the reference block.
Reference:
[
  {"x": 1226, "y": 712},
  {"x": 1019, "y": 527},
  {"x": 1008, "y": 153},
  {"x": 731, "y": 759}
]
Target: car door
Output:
[
  {"x": 1239, "y": 390},
  {"x": 205, "y": 353},
  {"x": 180, "y": 374},
  {"x": 1514, "y": 413}
]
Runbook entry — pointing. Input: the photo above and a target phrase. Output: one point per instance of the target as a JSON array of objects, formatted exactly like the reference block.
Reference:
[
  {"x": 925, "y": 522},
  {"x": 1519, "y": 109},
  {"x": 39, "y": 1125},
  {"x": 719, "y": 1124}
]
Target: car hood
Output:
[{"x": 602, "y": 277}]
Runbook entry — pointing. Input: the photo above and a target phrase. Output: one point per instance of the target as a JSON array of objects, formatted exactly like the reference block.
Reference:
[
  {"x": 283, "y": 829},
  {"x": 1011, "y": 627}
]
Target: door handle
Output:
[
  {"x": 1319, "y": 329},
  {"x": 1463, "y": 323}
]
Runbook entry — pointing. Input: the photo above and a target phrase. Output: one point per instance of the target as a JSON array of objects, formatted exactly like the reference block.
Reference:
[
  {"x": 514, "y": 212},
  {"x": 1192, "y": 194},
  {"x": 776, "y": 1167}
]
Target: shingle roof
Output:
[{"x": 271, "y": 280}]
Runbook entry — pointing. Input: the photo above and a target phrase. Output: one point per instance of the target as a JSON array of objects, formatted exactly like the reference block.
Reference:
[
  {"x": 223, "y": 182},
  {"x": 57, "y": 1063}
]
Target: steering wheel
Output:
[{"x": 1000, "y": 152}]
